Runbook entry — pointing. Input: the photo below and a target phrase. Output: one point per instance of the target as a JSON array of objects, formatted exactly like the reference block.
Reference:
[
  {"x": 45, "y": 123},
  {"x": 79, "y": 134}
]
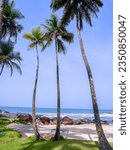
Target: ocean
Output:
[{"x": 106, "y": 115}]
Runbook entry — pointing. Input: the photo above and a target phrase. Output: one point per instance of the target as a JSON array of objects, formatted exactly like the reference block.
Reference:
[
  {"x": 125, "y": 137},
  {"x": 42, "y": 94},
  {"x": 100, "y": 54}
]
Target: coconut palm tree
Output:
[
  {"x": 58, "y": 34},
  {"x": 37, "y": 38},
  {"x": 83, "y": 10},
  {"x": 9, "y": 58},
  {"x": 10, "y": 15}
]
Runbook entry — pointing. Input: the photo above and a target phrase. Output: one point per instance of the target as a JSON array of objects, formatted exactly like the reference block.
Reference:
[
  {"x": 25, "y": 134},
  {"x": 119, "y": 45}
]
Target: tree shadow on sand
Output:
[{"x": 60, "y": 145}]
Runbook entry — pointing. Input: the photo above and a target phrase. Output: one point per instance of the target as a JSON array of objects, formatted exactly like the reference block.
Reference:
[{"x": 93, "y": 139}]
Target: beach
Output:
[
  {"x": 71, "y": 128},
  {"x": 79, "y": 132}
]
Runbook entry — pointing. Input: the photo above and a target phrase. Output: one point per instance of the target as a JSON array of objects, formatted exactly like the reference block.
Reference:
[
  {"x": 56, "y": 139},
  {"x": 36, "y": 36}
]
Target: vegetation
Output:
[
  {"x": 9, "y": 58},
  {"x": 10, "y": 25},
  {"x": 54, "y": 31},
  {"x": 9, "y": 28},
  {"x": 37, "y": 38},
  {"x": 12, "y": 140},
  {"x": 83, "y": 10},
  {"x": 58, "y": 34}
]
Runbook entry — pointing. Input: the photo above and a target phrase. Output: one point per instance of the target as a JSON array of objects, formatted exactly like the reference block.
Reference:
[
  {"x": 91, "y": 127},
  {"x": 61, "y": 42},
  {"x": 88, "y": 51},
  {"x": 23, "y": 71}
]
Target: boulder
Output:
[
  {"x": 3, "y": 111},
  {"x": 86, "y": 120},
  {"x": 67, "y": 121},
  {"x": 77, "y": 122},
  {"x": 53, "y": 121},
  {"x": 7, "y": 114},
  {"x": 102, "y": 121},
  {"x": 38, "y": 121},
  {"x": 24, "y": 117},
  {"x": 45, "y": 120}
]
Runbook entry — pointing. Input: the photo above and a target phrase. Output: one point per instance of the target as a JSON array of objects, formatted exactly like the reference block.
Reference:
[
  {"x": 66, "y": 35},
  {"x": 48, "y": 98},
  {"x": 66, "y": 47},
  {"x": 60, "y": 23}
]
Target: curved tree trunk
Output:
[
  {"x": 104, "y": 145},
  {"x": 37, "y": 135},
  {"x": 1, "y": 12},
  {"x": 57, "y": 134}
]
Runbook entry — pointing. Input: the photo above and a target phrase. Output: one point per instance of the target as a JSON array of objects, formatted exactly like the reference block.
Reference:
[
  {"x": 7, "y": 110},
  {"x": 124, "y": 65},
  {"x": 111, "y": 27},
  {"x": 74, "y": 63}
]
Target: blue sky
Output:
[{"x": 75, "y": 92}]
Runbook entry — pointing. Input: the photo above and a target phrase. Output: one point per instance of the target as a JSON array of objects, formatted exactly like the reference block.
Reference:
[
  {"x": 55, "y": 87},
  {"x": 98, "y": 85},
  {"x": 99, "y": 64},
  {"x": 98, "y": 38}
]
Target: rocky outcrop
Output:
[
  {"x": 45, "y": 120},
  {"x": 102, "y": 121},
  {"x": 42, "y": 120},
  {"x": 24, "y": 117},
  {"x": 7, "y": 114},
  {"x": 67, "y": 121},
  {"x": 53, "y": 121}
]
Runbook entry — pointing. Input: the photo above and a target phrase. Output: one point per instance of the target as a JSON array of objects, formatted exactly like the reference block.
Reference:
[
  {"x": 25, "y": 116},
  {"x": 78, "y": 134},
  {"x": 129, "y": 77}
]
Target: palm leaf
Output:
[
  {"x": 61, "y": 46},
  {"x": 29, "y": 36},
  {"x": 8, "y": 57}
]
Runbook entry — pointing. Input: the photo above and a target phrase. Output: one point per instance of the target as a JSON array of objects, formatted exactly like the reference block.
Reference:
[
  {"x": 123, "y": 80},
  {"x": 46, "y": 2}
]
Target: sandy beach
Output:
[{"x": 80, "y": 132}]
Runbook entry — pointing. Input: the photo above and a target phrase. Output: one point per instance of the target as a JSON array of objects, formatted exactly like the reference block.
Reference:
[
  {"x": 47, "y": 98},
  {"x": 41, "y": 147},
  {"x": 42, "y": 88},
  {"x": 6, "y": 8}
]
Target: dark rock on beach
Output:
[
  {"x": 7, "y": 114},
  {"x": 42, "y": 120},
  {"x": 77, "y": 122},
  {"x": 67, "y": 121},
  {"x": 53, "y": 121},
  {"x": 102, "y": 121},
  {"x": 45, "y": 120},
  {"x": 3, "y": 111},
  {"x": 24, "y": 117}
]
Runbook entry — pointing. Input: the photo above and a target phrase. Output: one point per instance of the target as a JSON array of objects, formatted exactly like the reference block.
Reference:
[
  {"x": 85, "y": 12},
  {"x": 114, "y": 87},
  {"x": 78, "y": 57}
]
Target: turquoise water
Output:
[{"x": 73, "y": 113}]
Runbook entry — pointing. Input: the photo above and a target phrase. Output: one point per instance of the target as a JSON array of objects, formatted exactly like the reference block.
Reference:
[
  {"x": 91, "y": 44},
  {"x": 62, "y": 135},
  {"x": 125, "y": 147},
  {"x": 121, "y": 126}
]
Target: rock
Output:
[
  {"x": 53, "y": 121},
  {"x": 7, "y": 114},
  {"x": 45, "y": 120},
  {"x": 3, "y": 111},
  {"x": 102, "y": 121},
  {"x": 77, "y": 122},
  {"x": 24, "y": 117},
  {"x": 67, "y": 121},
  {"x": 86, "y": 120},
  {"x": 93, "y": 121},
  {"x": 38, "y": 121}
]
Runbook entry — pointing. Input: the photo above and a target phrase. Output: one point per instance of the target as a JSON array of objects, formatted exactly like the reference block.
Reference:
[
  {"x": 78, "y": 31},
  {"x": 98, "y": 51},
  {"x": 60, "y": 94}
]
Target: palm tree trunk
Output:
[
  {"x": 104, "y": 145},
  {"x": 37, "y": 135},
  {"x": 1, "y": 12},
  {"x": 57, "y": 134}
]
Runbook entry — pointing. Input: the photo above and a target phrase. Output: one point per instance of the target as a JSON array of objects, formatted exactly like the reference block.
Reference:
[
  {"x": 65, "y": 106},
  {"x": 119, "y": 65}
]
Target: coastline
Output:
[
  {"x": 80, "y": 129},
  {"x": 76, "y": 114}
]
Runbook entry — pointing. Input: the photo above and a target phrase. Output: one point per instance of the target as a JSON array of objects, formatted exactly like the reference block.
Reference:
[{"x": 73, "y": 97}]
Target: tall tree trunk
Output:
[
  {"x": 57, "y": 134},
  {"x": 1, "y": 16},
  {"x": 104, "y": 145},
  {"x": 37, "y": 135}
]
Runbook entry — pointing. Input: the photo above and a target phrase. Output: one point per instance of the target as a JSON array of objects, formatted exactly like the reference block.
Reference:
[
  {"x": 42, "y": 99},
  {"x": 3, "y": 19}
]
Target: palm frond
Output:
[
  {"x": 8, "y": 57},
  {"x": 9, "y": 65},
  {"x": 56, "y": 4},
  {"x": 10, "y": 25},
  {"x": 29, "y": 36},
  {"x": 80, "y": 9},
  {"x": 56, "y": 31},
  {"x": 16, "y": 66},
  {"x": 68, "y": 37},
  {"x": 61, "y": 46}
]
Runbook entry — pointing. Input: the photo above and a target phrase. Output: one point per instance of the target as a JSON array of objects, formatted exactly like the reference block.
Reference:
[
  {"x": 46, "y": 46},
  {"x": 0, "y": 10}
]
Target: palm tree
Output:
[
  {"x": 9, "y": 58},
  {"x": 37, "y": 38},
  {"x": 10, "y": 25},
  {"x": 58, "y": 34},
  {"x": 83, "y": 10}
]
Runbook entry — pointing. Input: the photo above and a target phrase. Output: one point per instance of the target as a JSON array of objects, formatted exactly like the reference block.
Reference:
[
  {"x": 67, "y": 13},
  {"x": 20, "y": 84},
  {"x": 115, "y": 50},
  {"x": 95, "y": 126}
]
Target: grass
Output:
[{"x": 12, "y": 140}]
